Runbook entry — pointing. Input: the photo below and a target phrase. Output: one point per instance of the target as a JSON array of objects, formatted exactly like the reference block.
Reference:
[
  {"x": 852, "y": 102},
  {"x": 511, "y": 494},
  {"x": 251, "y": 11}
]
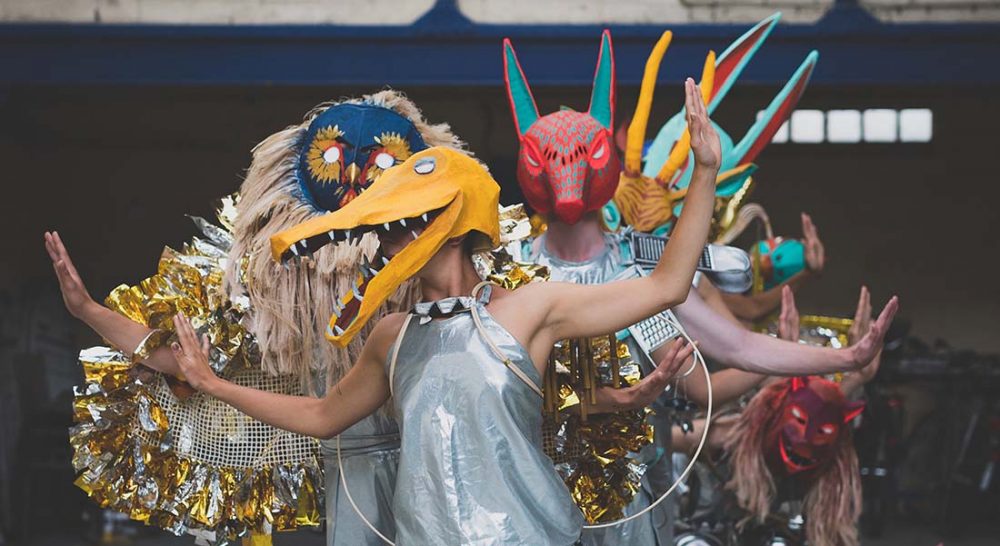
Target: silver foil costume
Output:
[
  {"x": 471, "y": 466},
  {"x": 657, "y": 526},
  {"x": 370, "y": 453}
]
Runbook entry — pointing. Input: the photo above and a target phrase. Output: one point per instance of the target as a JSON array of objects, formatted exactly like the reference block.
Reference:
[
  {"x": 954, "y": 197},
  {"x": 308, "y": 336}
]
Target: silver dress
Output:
[
  {"x": 657, "y": 526},
  {"x": 370, "y": 452},
  {"x": 471, "y": 466}
]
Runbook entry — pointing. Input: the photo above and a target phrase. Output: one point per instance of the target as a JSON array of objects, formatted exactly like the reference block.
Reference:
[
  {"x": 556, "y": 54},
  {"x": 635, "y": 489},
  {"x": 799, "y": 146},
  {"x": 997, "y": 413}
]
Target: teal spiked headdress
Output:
[{"x": 667, "y": 161}]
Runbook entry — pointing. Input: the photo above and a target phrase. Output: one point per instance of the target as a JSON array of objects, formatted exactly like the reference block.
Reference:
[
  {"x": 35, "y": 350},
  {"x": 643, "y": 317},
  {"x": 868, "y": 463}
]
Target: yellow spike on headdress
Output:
[
  {"x": 637, "y": 128},
  {"x": 683, "y": 146}
]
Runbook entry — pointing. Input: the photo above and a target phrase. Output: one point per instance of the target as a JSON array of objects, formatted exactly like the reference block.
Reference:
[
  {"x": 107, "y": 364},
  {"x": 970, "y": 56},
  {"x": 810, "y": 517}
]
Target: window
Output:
[
  {"x": 916, "y": 125},
  {"x": 877, "y": 125},
  {"x": 880, "y": 125},
  {"x": 807, "y": 126},
  {"x": 843, "y": 126}
]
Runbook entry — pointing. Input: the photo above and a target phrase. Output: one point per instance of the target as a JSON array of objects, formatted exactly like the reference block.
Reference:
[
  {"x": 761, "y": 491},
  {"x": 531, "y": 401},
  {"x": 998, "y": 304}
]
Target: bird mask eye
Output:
[
  {"x": 384, "y": 160},
  {"x": 389, "y": 150},
  {"x": 326, "y": 155}
]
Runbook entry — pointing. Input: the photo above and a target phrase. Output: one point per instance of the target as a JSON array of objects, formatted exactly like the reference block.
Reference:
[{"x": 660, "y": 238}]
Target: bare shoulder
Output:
[
  {"x": 535, "y": 290},
  {"x": 522, "y": 309},
  {"x": 384, "y": 334},
  {"x": 529, "y": 294},
  {"x": 388, "y": 326}
]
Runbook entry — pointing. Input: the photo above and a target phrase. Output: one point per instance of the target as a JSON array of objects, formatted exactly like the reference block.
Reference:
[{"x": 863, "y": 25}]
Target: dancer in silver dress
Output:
[{"x": 472, "y": 469}]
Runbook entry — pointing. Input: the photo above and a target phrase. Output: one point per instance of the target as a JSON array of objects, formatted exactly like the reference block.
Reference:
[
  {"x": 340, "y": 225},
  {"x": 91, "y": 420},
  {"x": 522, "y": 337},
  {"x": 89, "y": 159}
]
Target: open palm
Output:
[
  {"x": 870, "y": 344},
  {"x": 704, "y": 140},
  {"x": 74, "y": 293}
]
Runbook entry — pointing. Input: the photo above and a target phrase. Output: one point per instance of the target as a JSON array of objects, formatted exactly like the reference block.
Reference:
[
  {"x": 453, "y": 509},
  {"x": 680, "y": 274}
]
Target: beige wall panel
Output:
[{"x": 216, "y": 12}]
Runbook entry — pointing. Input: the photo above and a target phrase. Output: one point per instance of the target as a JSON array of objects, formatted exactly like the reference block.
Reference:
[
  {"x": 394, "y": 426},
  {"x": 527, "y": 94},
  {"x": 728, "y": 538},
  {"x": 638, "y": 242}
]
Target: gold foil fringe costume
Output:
[
  {"x": 595, "y": 454},
  {"x": 195, "y": 465}
]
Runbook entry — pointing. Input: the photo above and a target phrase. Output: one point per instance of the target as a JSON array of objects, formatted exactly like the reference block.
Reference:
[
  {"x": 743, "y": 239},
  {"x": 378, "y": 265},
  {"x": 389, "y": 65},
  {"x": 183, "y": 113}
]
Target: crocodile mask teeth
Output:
[{"x": 435, "y": 195}]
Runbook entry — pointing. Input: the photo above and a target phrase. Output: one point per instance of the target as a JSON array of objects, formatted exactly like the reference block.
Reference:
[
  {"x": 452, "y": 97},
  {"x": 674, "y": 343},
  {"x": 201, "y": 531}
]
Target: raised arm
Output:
[
  {"x": 122, "y": 332},
  {"x": 738, "y": 348},
  {"x": 789, "y": 325},
  {"x": 589, "y": 310},
  {"x": 727, "y": 385},
  {"x": 362, "y": 390}
]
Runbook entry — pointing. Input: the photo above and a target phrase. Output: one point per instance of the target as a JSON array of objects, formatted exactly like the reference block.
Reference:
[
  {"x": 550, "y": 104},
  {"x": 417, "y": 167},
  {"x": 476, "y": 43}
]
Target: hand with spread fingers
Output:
[
  {"x": 788, "y": 320},
  {"x": 651, "y": 387},
  {"x": 192, "y": 354},
  {"x": 75, "y": 295},
  {"x": 119, "y": 330},
  {"x": 815, "y": 253},
  {"x": 862, "y": 317},
  {"x": 704, "y": 139},
  {"x": 869, "y": 345},
  {"x": 861, "y": 326}
]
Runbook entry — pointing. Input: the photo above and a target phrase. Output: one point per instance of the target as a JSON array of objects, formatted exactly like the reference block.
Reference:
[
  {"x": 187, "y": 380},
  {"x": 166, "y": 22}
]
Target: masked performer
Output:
[
  {"x": 567, "y": 171},
  {"x": 464, "y": 386},
  {"x": 782, "y": 512},
  {"x": 464, "y": 368},
  {"x": 787, "y": 448},
  {"x": 273, "y": 315},
  {"x": 792, "y": 443}
]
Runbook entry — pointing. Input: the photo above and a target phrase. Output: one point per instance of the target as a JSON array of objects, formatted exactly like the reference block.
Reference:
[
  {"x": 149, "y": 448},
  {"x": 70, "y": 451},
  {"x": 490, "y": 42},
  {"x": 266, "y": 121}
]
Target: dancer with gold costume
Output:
[{"x": 146, "y": 449}]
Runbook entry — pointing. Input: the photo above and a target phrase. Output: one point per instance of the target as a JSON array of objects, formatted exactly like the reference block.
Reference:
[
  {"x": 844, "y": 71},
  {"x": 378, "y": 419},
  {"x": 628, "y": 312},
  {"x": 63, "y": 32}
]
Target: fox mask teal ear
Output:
[
  {"x": 566, "y": 166},
  {"x": 522, "y": 103},
  {"x": 602, "y": 98}
]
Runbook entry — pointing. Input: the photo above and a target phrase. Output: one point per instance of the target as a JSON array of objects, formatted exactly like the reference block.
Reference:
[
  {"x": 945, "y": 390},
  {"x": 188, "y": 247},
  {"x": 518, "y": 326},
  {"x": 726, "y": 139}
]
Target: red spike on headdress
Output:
[
  {"x": 799, "y": 383},
  {"x": 852, "y": 410}
]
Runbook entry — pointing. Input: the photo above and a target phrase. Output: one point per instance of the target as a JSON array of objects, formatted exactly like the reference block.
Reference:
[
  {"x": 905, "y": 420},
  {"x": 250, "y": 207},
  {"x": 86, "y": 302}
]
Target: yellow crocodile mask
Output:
[{"x": 435, "y": 195}]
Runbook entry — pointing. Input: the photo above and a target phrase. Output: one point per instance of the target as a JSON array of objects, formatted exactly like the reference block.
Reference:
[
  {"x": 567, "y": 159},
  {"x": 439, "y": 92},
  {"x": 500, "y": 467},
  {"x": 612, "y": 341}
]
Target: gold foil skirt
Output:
[
  {"x": 194, "y": 465},
  {"x": 595, "y": 453}
]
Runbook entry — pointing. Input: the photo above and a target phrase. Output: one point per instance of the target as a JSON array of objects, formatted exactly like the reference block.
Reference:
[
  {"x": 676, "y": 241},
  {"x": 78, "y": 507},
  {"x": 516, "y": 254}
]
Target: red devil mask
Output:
[
  {"x": 811, "y": 422},
  {"x": 567, "y": 165}
]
